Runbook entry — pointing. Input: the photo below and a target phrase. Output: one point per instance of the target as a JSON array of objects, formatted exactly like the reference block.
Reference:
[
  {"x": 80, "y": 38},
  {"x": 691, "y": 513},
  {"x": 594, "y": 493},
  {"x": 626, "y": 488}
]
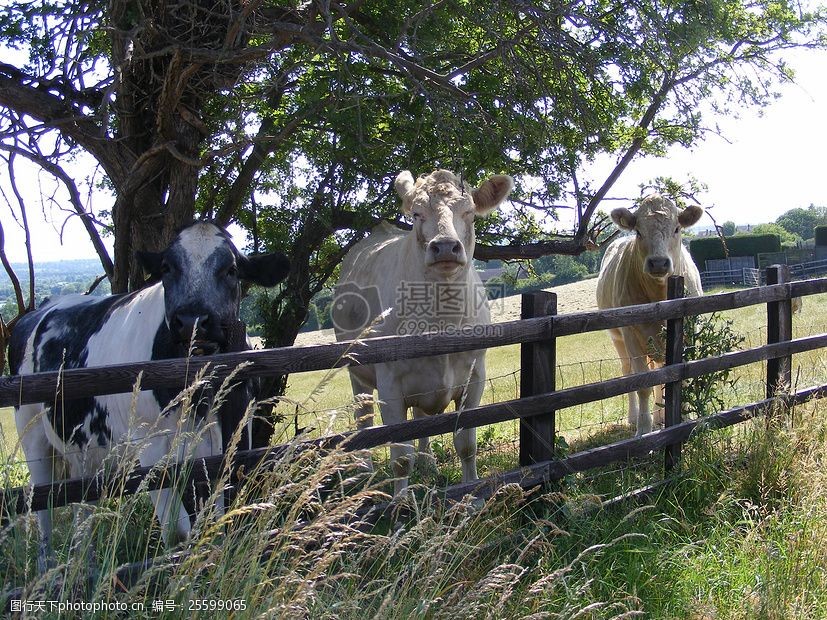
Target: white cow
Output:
[
  {"x": 634, "y": 271},
  {"x": 425, "y": 280}
]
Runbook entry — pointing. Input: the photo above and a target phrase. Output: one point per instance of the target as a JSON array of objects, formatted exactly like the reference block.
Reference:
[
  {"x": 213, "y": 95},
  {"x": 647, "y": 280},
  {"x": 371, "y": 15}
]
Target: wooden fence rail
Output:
[
  {"x": 626, "y": 449},
  {"x": 535, "y": 408},
  {"x": 177, "y": 373},
  {"x": 90, "y": 489}
]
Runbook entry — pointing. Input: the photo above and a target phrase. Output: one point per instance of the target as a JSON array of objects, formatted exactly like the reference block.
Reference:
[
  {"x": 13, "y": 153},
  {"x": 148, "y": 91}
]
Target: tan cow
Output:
[
  {"x": 423, "y": 280},
  {"x": 634, "y": 271}
]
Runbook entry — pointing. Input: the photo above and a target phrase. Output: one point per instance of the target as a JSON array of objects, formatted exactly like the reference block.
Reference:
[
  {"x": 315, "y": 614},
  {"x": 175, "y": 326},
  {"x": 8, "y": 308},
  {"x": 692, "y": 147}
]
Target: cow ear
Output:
[
  {"x": 690, "y": 216},
  {"x": 403, "y": 185},
  {"x": 492, "y": 192},
  {"x": 264, "y": 269},
  {"x": 151, "y": 263},
  {"x": 624, "y": 218}
]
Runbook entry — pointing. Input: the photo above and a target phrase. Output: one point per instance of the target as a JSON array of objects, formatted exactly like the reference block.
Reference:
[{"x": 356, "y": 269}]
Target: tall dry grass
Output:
[{"x": 296, "y": 543}]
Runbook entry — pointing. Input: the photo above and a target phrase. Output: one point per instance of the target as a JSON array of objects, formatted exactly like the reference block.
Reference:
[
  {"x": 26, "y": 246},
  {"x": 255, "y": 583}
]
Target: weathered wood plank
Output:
[
  {"x": 674, "y": 355},
  {"x": 626, "y": 449},
  {"x": 178, "y": 373},
  {"x": 92, "y": 489},
  {"x": 779, "y": 329},
  {"x": 538, "y": 368}
]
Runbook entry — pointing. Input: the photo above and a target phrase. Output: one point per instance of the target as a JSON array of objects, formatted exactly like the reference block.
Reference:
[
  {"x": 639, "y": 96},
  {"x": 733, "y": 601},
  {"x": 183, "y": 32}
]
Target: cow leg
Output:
[
  {"x": 423, "y": 443},
  {"x": 626, "y": 369},
  {"x": 465, "y": 439},
  {"x": 425, "y": 462},
  {"x": 394, "y": 411},
  {"x": 363, "y": 410},
  {"x": 639, "y": 361},
  {"x": 169, "y": 509},
  {"x": 40, "y": 459},
  {"x": 85, "y": 463},
  {"x": 465, "y": 443},
  {"x": 658, "y": 411},
  {"x": 209, "y": 444}
]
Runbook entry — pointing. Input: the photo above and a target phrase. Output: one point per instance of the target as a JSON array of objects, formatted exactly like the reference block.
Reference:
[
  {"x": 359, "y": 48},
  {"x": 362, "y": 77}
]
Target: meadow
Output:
[{"x": 738, "y": 534}]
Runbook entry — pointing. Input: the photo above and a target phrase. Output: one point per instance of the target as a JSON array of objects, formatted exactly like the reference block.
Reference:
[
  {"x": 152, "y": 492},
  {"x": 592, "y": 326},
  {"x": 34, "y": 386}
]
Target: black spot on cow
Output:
[
  {"x": 60, "y": 341},
  {"x": 164, "y": 347},
  {"x": 98, "y": 426}
]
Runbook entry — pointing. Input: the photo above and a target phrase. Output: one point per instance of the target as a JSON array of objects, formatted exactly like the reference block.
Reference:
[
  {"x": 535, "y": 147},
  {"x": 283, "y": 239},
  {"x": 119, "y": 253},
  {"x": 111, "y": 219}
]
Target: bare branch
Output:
[
  {"x": 25, "y": 221},
  {"x": 631, "y": 151},
  {"x": 15, "y": 281},
  {"x": 74, "y": 198},
  {"x": 20, "y": 92}
]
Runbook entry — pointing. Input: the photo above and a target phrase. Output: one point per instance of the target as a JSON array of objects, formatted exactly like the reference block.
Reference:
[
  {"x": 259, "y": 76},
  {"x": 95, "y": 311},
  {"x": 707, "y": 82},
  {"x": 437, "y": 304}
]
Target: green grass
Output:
[
  {"x": 8, "y": 431},
  {"x": 739, "y": 536},
  {"x": 322, "y": 398}
]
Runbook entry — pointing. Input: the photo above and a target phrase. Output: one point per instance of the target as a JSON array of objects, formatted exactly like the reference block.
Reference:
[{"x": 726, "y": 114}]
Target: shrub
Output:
[
  {"x": 708, "y": 336},
  {"x": 534, "y": 283},
  {"x": 567, "y": 270}
]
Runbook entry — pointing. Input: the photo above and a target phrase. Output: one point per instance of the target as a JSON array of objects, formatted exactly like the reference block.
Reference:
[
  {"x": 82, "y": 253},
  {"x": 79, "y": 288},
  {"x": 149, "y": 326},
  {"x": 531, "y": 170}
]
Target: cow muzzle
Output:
[
  {"x": 446, "y": 254},
  {"x": 199, "y": 333},
  {"x": 658, "y": 266}
]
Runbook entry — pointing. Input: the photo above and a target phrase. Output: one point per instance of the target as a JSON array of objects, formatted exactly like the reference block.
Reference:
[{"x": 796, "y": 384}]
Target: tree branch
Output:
[
  {"x": 643, "y": 126},
  {"x": 74, "y": 198},
  {"x": 28, "y": 237},
  {"x": 18, "y": 92}
]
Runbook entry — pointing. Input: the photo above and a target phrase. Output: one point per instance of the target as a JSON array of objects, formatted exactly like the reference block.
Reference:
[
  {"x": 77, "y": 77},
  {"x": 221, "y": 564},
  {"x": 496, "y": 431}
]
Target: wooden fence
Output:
[
  {"x": 808, "y": 269},
  {"x": 535, "y": 408}
]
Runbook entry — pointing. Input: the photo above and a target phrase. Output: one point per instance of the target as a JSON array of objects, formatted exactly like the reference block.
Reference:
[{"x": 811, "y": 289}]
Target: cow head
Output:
[
  {"x": 657, "y": 224},
  {"x": 443, "y": 208},
  {"x": 201, "y": 272}
]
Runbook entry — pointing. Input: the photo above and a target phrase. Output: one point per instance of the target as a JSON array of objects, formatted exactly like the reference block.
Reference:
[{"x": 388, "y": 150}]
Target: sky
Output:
[{"x": 768, "y": 162}]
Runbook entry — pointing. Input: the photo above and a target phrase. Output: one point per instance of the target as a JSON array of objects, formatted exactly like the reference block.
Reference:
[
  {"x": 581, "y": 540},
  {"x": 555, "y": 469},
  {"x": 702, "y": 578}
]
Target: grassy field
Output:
[
  {"x": 739, "y": 535},
  {"x": 321, "y": 399}
]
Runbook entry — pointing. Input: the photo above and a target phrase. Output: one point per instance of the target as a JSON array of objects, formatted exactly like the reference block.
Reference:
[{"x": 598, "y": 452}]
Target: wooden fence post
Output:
[
  {"x": 779, "y": 329},
  {"x": 674, "y": 355},
  {"x": 538, "y": 365}
]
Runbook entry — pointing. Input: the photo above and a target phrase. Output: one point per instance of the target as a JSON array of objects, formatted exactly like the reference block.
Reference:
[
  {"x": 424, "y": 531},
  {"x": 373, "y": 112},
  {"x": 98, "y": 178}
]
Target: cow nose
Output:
[
  {"x": 658, "y": 265},
  {"x": 445, "y": 249},
  {"x": 185, "y": 324}
]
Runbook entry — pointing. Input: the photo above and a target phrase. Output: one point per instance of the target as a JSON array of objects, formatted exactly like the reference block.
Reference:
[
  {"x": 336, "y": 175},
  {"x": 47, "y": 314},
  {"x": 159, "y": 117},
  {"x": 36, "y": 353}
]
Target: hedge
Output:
[{"x": 705, "y": 248}]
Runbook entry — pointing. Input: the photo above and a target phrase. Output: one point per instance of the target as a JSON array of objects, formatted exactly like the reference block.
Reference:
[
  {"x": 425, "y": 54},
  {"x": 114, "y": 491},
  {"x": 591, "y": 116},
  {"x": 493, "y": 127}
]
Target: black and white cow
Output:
[{"x": 193, "y": 303}]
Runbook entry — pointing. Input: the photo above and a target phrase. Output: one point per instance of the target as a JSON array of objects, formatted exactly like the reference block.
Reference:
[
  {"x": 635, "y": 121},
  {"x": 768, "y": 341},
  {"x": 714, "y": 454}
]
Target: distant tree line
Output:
[{"x": 794, "y": 227}]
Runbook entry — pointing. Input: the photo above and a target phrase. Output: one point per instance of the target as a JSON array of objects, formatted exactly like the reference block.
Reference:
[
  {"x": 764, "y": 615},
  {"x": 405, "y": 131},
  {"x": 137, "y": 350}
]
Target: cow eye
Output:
[
  {"x": 232, "y": 271},
  {"x": 165, "y": 268},
  {"x": 417, "y": 216},
  {"x": 677, "y": 230}
]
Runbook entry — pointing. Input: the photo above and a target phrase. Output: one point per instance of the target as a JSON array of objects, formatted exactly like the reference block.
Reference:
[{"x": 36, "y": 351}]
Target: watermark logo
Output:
[
  {"x": 413, "y": 327},
  {"x": 355, "y": 307},
  {"x": 418, "y": 307}
]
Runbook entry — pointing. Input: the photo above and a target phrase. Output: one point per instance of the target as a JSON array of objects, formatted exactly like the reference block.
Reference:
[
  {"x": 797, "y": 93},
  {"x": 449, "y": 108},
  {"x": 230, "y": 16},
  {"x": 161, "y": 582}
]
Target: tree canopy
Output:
[
  {"x": 802, "y": 222},
  {"x": 293, "y": 118}
]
